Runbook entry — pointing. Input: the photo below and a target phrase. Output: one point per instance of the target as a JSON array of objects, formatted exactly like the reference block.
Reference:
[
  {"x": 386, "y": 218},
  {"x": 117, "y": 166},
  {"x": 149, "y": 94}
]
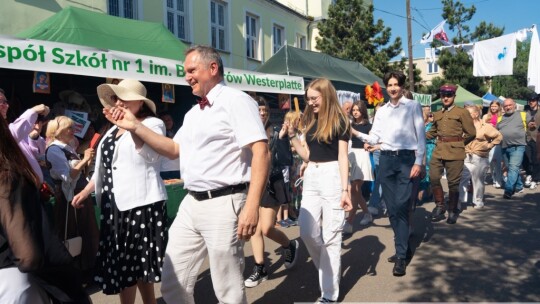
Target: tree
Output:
[
  {"x": 457, "y": 65},
  {"x": 350, "y": 33}
]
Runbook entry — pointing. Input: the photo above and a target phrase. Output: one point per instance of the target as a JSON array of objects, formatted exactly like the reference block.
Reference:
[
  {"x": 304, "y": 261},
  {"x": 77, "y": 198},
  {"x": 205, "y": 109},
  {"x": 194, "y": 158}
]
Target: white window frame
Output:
[
  {"x": 278, "y": 37},
  {"x": 177, "y": 13},
  {"x": 252, "y": 36},
  {"x": 298, "y": 41},
  {"x": 216, "y": 27},
  {"x": 432, "y": 67},
  {"x": 136, "y": 7}
]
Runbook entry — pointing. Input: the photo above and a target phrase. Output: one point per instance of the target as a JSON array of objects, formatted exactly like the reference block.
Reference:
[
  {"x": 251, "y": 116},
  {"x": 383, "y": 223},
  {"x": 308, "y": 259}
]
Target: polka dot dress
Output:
[{"x": 132, "y": 243}]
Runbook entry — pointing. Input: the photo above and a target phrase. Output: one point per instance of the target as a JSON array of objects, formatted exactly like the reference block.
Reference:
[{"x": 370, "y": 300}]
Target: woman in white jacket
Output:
[{"x": 132, "y": 197}]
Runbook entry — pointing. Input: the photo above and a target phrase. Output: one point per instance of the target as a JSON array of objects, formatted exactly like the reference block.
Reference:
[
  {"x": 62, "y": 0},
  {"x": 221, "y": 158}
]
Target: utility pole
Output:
[{"x": 409, "y": 47}]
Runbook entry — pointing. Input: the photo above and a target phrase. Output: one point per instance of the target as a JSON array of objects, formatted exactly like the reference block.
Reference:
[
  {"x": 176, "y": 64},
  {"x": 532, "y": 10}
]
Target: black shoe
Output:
[
  {"x": 507, "y": 195},
  {"x": 399, "y": 268},
  {"x": 408, "y": 258},
  {"x": 452, "y": 217},
  {"x": 437, "y": 214},
  {"x": 258, "y": 276},
  {"x": 290, "y": 254}
]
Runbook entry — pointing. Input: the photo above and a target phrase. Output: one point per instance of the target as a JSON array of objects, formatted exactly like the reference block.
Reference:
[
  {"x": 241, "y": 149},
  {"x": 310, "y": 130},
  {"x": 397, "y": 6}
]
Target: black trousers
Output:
[
  {"x": 530, "y": 163},
  {"x": 397, "y": 188}
]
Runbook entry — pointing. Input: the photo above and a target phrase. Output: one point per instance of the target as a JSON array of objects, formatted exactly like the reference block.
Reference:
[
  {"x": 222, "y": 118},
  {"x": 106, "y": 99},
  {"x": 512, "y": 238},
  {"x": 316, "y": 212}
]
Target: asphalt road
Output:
[{"x": 490, "y": 255}]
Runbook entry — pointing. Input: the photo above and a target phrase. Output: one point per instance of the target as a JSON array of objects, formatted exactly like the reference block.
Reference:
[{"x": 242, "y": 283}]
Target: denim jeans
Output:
[
  {"x": 513, "y": 156},
  {"x": 375, "y": 199}
]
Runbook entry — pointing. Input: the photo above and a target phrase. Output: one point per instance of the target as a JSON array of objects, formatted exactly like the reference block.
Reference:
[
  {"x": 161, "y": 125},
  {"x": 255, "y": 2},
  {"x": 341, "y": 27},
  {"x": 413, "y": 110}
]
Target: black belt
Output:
[
  {"x": 397, "y": 152},
  {"x": 204, "y": 195}
]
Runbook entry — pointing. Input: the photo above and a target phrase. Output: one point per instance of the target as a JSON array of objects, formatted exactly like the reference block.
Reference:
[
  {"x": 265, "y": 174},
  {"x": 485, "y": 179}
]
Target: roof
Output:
[
  {"x": 83, "y": 27},
  {"x": 344, "y": 74}
]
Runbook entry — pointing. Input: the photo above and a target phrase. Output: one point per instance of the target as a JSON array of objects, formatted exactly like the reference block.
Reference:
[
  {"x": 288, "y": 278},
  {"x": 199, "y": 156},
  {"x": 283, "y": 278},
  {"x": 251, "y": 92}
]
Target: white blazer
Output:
[{"x": 135, "y": 173}]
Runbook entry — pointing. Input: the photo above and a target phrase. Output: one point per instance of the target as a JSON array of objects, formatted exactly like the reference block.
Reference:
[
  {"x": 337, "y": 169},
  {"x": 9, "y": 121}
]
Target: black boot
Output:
[
  {"x": 453, "y": 211},
  {"x": 438, "y": 213}
]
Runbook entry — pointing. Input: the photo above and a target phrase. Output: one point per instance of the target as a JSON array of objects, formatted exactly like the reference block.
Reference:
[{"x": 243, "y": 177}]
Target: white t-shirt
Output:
[{"x": 213, "y": 141}]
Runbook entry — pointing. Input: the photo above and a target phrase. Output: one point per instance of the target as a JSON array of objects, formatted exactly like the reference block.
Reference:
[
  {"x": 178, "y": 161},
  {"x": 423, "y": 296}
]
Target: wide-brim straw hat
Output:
[{"x": 127, "y": 89}]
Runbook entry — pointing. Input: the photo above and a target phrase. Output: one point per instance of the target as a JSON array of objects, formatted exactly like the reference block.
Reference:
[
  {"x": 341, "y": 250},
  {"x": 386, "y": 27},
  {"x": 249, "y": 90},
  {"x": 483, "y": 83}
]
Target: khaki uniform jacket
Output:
[{"x": 454, "y": 122}]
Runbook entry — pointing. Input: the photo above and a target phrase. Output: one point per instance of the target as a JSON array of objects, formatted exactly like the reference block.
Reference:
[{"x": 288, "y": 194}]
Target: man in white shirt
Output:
[
  {"x": 399, "y": 128},
  {"x": 224, "y": 164}
]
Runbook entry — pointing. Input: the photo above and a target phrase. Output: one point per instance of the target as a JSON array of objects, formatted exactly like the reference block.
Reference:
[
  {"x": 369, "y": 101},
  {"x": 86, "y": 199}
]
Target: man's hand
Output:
[
  {"x": 247, "y": 222},
  {"x": 415, "y": 171},
  {"x": 121, "y": 117}
]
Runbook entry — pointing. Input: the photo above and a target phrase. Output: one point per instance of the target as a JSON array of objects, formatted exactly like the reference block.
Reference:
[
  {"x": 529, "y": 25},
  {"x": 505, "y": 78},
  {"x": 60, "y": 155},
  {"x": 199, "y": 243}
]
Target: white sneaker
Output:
[
  {"x": 478, "y": 205},
  {"x": 373, "y": 210},
  {"x": 533, "y": 185},
  {"x": 528, "y": 181},
  {"x": 366, "y": 219},
  {"x": 496, "y": 185}
]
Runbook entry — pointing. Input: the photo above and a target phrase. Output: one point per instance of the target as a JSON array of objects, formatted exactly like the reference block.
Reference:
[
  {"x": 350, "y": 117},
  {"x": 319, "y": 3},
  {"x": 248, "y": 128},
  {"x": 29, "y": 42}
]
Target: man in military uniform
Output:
[{"x": 453, "y": 129}]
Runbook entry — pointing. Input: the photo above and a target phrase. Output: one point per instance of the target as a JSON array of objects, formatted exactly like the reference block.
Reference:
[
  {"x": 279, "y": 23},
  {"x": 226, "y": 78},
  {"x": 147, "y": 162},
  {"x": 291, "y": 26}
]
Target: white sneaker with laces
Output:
[
  {"x": 533, "y": 185},
  {"x": 528, "y": 181},
  {"x": 366, "y": 219},
  {"x": 496, "y": 185}
]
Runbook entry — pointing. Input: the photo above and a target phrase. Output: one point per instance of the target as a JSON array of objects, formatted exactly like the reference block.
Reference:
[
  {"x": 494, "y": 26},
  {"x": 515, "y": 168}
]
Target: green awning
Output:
[
  {"x": 344, "y": 74},
  {"x": 82, "y": 27}
]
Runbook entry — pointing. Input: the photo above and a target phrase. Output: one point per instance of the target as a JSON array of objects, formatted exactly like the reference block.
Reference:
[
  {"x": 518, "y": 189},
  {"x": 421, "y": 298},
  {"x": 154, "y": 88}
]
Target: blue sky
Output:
[{"x": 513, "y": 15}]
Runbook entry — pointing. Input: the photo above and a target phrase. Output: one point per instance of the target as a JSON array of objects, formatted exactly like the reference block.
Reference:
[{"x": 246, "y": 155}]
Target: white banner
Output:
[
  {"x": 423, "y": 99},
  {"x": 54, "y": 57}
]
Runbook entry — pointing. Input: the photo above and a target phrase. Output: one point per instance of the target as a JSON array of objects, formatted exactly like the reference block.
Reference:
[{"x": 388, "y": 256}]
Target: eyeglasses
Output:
[
  {"x": 447, "y": 94},
  {"x": 312, "y": 98}
]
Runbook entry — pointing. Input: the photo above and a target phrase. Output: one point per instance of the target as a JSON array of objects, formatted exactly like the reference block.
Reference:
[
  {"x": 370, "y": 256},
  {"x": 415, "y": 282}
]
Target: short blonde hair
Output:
[{"x": 56, "y": 126}]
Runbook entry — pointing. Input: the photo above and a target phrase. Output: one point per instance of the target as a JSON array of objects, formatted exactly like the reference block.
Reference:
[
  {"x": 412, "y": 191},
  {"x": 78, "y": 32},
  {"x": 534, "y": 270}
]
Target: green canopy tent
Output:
[
  {"x": 344, "y": 74},
  {"x": 462, "y": 96},
  {"x": 82, "y": 27}
]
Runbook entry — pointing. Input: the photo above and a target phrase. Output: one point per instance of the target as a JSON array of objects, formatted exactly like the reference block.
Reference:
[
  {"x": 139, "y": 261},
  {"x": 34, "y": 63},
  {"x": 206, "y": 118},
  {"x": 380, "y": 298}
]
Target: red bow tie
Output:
[{"x": 203, "y": 102}]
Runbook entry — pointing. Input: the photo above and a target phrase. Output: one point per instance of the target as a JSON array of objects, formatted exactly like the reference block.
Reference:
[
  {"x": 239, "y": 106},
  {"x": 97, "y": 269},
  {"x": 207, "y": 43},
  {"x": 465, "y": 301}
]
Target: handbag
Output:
[{"x": 73, "y": 245}]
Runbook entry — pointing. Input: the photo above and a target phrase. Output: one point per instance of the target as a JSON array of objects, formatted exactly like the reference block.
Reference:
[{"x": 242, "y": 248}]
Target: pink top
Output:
[{"x": 494, "y": 120}]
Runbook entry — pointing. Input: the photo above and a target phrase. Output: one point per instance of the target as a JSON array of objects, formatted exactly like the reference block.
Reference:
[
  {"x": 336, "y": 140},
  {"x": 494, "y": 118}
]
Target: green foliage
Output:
[
  {"x": 351, "y": 33},
  {"x": 458, "y": 66}
]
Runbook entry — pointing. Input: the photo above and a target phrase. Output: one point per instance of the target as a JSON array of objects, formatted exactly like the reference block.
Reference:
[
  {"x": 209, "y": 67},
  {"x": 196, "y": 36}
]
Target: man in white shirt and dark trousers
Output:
[
  {"x": 399, "y": 129},
  {"x": 224, "y": 163}
]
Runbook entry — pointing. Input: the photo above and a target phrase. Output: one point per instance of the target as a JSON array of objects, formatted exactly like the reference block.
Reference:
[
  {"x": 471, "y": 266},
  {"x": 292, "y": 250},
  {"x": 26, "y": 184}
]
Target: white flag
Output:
[
  {"x": 495, "y": 56},
  {"x": 533, "y": 72},
  {"x": 437, "y": 33}
]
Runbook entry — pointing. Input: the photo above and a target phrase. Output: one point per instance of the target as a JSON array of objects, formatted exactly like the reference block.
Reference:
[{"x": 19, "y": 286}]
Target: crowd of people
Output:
[{"x": 241, "y": 173}]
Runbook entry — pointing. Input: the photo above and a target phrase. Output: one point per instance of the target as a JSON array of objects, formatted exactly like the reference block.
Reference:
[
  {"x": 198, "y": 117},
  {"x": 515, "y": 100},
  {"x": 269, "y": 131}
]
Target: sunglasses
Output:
[{"x": 447, "y": 94}]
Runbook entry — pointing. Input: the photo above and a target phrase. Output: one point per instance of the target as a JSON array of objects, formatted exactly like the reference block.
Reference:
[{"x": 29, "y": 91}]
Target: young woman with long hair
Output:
[
  {"x": 495, "y": 154},
  {"x": 325, "y": 198}
]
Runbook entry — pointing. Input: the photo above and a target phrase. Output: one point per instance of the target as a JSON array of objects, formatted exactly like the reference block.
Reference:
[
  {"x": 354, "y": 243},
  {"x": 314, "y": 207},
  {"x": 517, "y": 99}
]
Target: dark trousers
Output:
[
  {"x": 530, "y": 164},
  {"x": 394, "y": 172},
  {"x": 454, "y": 169}
]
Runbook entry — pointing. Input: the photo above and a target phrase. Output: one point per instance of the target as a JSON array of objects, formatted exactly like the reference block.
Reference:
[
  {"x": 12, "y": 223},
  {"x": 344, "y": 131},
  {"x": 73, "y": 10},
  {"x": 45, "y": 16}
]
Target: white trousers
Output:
[
  {"x": 17, "y": 288},
  {"x": 475, "y": 168},
  {"x": 204, "y": 228},
  {"x": 321, "y": 222}
]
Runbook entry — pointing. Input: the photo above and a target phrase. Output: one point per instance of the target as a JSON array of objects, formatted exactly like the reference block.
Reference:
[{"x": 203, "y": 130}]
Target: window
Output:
[
  {"x": 279, "y": 37},
  {"x": 300, "y": 41},
  {"x": 177, "y": 18},
  {"x": 124, "y": 8},
  {"x": 252, "y": 40},
  {"x": 433, "y": 68},
  {"x": 218, "y": 11}
]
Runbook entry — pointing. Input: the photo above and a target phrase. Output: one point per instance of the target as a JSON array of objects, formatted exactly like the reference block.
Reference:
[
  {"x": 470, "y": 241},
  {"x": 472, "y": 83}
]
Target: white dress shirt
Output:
[
  {"x": 399, "y": 127},
  {"x": 213, "y": 141}
]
